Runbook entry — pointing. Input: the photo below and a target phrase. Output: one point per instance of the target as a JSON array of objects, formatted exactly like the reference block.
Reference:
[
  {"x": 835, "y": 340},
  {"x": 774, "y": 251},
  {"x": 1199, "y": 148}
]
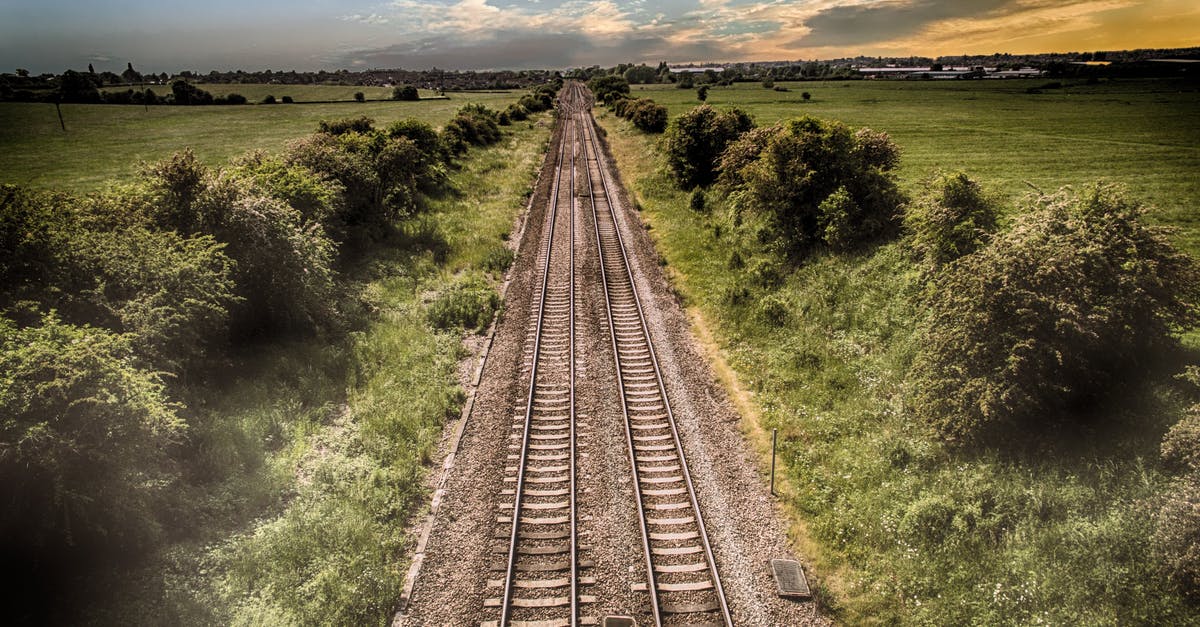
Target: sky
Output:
[{"x": 174, "y": 35}]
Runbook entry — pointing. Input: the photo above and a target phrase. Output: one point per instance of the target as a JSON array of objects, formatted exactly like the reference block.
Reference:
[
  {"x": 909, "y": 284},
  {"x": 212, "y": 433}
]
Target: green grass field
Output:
[
  {"x": 899, "y": 528},
  {"x": 1145, "y": 133},
  {"x": 107, "y": 142}
]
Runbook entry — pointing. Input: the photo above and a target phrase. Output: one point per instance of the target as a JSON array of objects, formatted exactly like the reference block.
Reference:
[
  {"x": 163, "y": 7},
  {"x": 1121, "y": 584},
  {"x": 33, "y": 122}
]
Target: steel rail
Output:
[
  {"x": 507, "y": 597},
  {"x": 589, "y": 140}
]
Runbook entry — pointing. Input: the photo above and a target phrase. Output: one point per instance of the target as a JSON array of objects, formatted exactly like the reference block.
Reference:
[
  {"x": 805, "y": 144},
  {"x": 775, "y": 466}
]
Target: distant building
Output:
[{"x": 945, "y": 73}]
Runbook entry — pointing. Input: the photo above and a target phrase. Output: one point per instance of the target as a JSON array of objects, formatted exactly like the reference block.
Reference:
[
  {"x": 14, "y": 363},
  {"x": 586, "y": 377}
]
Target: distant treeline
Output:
[{"x": 25, "y": 87}]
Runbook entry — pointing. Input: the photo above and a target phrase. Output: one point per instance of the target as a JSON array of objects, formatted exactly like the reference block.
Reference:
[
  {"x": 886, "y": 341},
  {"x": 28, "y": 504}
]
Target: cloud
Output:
[
  {"x": 528, "y": 49},
  {"x": 373, "y": 19},
  {"x": 854, "y": 24}
]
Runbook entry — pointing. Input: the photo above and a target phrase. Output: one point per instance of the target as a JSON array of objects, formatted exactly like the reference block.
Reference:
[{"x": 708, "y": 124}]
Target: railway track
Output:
[
  {"x": 544, "y": 563},
  {"x": 538, "y": 514},
  {"x": 681, "y": 572}
]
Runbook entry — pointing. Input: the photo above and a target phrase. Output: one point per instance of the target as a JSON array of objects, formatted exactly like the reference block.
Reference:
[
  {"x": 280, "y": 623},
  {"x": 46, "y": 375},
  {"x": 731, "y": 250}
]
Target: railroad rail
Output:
[
  {"x": 541, "y": 583},
  {"x": 682, "y": 579},
  {"x": 538, "y": 518}
]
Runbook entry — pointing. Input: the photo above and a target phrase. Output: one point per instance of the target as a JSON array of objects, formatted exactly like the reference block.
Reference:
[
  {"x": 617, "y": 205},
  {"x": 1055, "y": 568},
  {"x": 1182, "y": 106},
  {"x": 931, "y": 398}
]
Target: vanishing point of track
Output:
[{"x": 543, "y": 558}]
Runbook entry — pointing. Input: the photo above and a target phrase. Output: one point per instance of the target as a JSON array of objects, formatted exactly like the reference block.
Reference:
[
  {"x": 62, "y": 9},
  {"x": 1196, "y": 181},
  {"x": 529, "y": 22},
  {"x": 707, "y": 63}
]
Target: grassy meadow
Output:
[
  {"x": 899, "y": 528},
  {"x": 1144, "y": 133},
  {"x": 107, "y": 142}
]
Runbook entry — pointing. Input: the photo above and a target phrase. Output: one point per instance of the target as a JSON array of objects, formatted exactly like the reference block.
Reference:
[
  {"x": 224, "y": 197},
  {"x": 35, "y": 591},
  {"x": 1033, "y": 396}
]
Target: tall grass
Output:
[{"x": 901, "y": 530}]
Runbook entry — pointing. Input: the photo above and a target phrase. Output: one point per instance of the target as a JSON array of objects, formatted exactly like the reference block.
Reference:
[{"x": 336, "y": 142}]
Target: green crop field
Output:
[
  {"x": 1143, "y": 133},
  {"x": 107, "y": 142}
]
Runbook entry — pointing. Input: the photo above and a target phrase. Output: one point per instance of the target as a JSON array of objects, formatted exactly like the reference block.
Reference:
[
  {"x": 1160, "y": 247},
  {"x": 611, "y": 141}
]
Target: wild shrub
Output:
[
  {"x": 406, "y": 92},
  {"x": 86, "y": 434},
  {"x": 36, "y": 229},
  {"x": 284, "y": 268},
  {"x": 648, "y": 116},
  {"x": 318, "y": 198},
  {"x": 170, "y": 294},
  {"x": 1176, "y": 538},
  {"x": 694, "y": 141},
  {"x": 698, "y": 201},
  {"x": 951, "y": 218},
  {"x": 361, "y": 124},
  {"x": 283, "y": 262},
  {"x": 774, "y": 310},
  {"x": 819, "y": 183},
  {"x": 1044, "y": 316},
  {"x": 473, "y": 125},
  {"x": 517, "y": 113},
  {"x": 465, "y": 304}
]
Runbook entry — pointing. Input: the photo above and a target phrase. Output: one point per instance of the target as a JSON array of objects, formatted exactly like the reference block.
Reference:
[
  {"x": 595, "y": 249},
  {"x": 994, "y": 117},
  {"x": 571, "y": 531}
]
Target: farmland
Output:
[
  {"x": 1144, "y": 134},
  {"x": 107, "y": 142},
  {"x": 901, "y": 528}
]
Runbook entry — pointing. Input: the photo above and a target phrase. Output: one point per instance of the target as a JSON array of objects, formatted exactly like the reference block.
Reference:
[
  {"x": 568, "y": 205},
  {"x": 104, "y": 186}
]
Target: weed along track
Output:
[{"x": 572, "y": 498}]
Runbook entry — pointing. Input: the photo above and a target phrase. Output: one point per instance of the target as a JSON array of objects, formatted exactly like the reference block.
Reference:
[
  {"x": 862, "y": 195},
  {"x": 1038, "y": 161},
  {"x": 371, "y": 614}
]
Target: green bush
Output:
[
  {"x": 694, "y": 141},
  {"x": 1042, "y": 318},
  {"x": 283, "y": 262},
  {"x": 171, "y": 294},
  {"x": 84, "y": 437},
  {"x": 465, "y": 304},
  {"x": 951, "y": 218},
  {"x": 406, "y": 92},
  {"x": 698, "y": 202},
  {"x": 318, "y": 198},
  {"x": 36, "y": 230},
  {"x": 817, "y": 182},
  {"x": 473, "y": 125},
  {"x": 1177, "y": 534},
  {"x": 648, "y": 116}
]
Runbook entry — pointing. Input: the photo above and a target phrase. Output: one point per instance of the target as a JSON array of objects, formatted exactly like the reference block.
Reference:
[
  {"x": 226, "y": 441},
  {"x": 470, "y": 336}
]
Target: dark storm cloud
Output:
[
  {"x": 528, "y": 50},
  {"x": 870, "y": 23}
]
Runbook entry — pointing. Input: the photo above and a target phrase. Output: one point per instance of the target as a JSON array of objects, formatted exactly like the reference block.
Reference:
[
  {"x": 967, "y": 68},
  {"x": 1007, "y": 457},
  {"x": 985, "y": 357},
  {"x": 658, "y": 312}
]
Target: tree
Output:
[
  {"x": 605, "y": 88},
  {"x": 806, "y": 96},
  {"x": 269, "y": 100},
  {"x": 131, "y": 75},
  {"x": 406, "y": 92},
  {"x": 640, "y": 75},
  {"x": 685, "y": 81},
  {"x": 695, "y": 140},
  {"x": 702, "y": 93},
  {"x": 646, "y": 115},
  {"x": 78, "y": 87},
  {"x": 819, "y": 182},
  {"x": 359, "y": 96},
  {"x": 1047, "y": 315}
]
